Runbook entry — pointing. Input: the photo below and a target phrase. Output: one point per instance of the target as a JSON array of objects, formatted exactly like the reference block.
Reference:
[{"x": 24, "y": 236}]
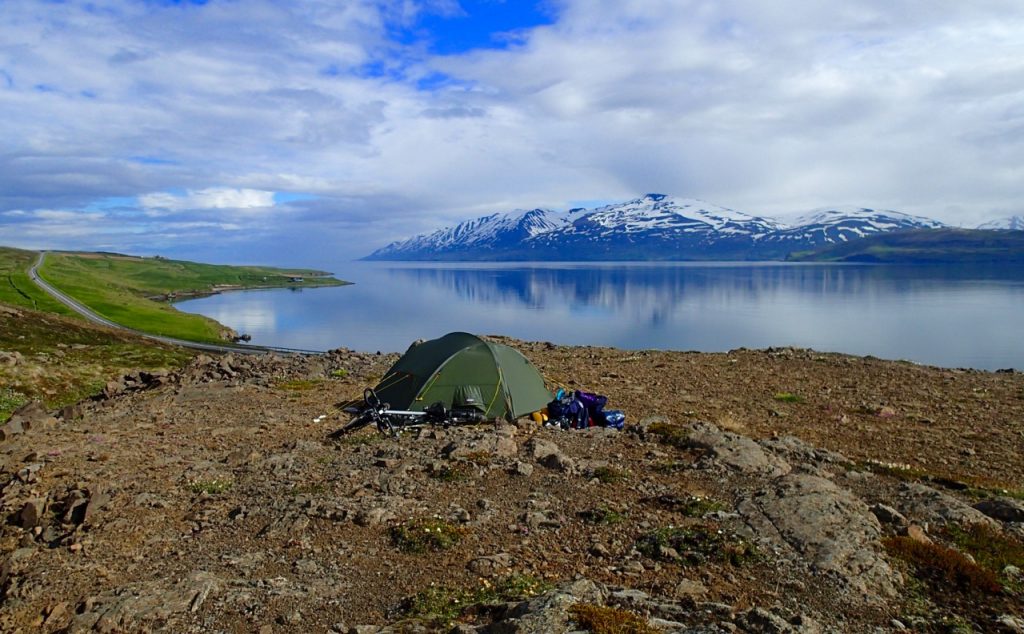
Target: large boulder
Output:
[
  {"x": 735, "y": 452},
  {"x": 826, "y": 526},
  {"x": 922, "y": 503}
]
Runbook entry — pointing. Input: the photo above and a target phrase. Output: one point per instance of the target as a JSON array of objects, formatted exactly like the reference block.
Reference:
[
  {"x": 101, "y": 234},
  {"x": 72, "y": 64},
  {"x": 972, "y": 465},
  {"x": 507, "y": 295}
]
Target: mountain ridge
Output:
[{"x": 653, "y": 227}]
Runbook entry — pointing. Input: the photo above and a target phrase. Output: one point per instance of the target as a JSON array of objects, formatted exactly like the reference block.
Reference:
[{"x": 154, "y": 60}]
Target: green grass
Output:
[
  {"x": 609, "y": 475},
  {"x": 786, "y": 397},
  {"x": 602, "y": 515},
  {"x": 670, "y": 434},
  {"x": 426, "y": 535},
  {"x": 118, "y": 287},
  {"x": 455, "y": 472},
  {"x": 17, "y": 289},
  {"x": 211, "y": 487},
  {"x": 10, "y": 401},
  {"x": 66, "y": 360},
  {"x": 991, "y": 548},
  {"x": 920, "y": 246},
  {"x": 443, "y": 604},
  {"x": 689, "y": 505}
]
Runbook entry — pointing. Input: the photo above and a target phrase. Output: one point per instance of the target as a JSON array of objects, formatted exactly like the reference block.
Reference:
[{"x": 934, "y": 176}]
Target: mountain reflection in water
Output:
[{"x": 955, "y": 316}]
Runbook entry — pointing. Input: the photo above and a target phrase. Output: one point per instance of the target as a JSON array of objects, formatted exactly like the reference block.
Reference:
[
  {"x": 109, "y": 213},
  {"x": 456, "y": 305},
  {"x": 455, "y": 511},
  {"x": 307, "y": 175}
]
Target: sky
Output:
[{"x": 300, "y": 133}]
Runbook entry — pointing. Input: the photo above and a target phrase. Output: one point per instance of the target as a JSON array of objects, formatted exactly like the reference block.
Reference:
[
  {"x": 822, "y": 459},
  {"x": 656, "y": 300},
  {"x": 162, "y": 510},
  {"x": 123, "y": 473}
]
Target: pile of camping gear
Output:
[
  {"x": 462, "y": 379},
  {"x": 579, "y": 410}
]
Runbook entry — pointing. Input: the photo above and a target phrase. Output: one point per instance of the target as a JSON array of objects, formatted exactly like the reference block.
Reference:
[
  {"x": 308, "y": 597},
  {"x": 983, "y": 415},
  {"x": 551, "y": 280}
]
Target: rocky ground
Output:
[{"x": 752, "y": 491}]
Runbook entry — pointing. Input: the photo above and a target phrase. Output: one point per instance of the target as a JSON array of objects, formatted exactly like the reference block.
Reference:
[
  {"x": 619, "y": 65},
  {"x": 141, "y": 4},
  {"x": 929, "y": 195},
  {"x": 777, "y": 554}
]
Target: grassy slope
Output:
[
  {"x": 117, "y": 287},
  {"x": 926, "y": 246},
  {"x": 16, "y": 288},
  {"x": 66, "y": 359}
]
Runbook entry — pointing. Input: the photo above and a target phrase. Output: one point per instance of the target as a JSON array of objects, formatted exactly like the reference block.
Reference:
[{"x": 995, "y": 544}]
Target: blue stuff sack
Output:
[{"x": 613, "y": 418}]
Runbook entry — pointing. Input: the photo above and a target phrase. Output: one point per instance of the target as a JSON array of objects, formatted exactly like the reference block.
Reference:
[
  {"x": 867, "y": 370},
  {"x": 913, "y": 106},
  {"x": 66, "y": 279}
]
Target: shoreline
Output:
[{"x": 176, "y": 296}]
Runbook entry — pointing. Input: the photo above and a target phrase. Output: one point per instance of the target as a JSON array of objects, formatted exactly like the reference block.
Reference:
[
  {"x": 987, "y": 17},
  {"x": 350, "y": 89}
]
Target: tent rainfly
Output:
[{"x": 459, "y": 370}]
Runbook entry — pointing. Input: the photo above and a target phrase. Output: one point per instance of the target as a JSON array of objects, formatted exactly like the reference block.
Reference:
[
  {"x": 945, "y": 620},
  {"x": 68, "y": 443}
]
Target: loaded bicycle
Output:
[{"x": 393, "y": 421}]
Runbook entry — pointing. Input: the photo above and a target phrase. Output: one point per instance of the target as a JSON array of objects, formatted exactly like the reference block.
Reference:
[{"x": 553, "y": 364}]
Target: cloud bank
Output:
[{"x": 326, "y": 129}]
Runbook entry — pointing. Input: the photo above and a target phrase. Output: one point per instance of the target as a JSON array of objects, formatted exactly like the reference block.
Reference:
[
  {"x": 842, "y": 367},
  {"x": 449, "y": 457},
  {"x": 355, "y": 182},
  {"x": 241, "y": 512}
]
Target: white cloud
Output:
[
  {"x": 209, "y": 198},
  {"x": 765, "y": 107}
]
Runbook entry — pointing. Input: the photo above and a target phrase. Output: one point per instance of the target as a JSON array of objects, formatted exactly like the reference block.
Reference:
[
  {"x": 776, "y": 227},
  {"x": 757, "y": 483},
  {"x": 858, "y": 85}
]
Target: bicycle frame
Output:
[{"x": 393, "y": 421}]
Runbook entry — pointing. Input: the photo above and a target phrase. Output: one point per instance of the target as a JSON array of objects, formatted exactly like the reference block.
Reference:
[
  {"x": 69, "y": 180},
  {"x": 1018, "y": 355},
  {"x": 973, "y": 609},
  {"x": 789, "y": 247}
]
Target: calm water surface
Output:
[{"x": 949, "y": 316}]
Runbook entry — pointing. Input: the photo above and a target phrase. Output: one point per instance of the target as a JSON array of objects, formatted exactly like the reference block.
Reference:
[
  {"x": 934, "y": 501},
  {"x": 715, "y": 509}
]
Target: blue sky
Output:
[{"x": 242, "y": 130}]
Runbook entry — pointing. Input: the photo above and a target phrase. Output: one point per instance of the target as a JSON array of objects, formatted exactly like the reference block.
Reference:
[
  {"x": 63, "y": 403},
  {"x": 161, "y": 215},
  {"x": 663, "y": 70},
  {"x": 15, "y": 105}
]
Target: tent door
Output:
[{"x": 469, "y": 396}]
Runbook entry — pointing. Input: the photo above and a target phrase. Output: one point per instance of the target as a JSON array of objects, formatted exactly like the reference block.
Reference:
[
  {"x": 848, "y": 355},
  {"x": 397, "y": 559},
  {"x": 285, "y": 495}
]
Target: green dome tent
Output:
[{"x": 460, "y": 369}]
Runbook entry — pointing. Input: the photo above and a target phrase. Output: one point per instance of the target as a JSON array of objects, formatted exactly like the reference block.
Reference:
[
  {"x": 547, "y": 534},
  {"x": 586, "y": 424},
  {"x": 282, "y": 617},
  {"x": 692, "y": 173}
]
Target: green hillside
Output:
[
  {"x": 124, "y": 288},
  {"x": 18, "y": 290},
  {"x": 926, "y": 246},
  {"x": 131, "y": 290}
]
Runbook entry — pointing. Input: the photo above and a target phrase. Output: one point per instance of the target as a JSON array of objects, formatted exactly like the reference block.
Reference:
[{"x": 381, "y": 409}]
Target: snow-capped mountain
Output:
[
  {"x": 487, "y": 235},
  {"x": 665, "y": 216},
  {"x": 654, "y": 227},
  {"x": 833, "y": 225},
  {"x": 1013, "y": 223}
]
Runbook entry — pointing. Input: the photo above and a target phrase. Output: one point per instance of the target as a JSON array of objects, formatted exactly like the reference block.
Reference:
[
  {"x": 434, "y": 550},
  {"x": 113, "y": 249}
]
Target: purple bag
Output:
[{"x": 594, "y": 403}]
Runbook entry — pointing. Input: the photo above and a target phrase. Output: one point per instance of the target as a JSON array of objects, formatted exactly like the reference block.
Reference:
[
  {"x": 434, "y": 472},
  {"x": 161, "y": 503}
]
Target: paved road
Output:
[{"x": 84, "y": 311}]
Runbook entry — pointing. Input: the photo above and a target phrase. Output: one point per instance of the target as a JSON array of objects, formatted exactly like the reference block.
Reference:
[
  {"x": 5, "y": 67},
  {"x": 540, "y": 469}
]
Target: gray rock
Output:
[
  {"x": 827, "y": 526},
  {"x": 10, "y": 359},
  {"x": 113, "y": 388},
  {"x": 523, "y": 468},
  {"x": 690, "y": 588},
  {"x": 922, "y": 503},
  {"x": 29, "y": 412},
  {"x": 794, "y": 451},
  {"x": 540, "y": 448},
  {"x": 137, "y": 607},
  {"x": 736, "y": 452},
  {"x": 373, "y": 517},
  {"x": 549, "y": 612},
  {"x": 491, "y": 565},
  {"x": 1005, "y": 509},
  {"x": 889, "y": 515},
  {"x": 11, "y": 429},
  {"x": 558, "y": 461},
  {"x": 761, "y": 621}
]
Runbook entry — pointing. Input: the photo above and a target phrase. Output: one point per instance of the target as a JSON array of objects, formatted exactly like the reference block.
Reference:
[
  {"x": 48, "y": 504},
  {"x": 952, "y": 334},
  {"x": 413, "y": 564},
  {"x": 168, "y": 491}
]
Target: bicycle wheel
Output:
[{"x": 355, "y": 424}]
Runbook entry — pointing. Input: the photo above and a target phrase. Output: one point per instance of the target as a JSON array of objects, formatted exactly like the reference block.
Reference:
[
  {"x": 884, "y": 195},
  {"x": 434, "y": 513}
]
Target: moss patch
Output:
[
  {"x": 602, "y": 515},
  {"x": 211, "y": 487},
  {"x": 687, "y": 505},
  {"x": 609, "y": 475},
  {"x": 695, "y": 545},
  {"x": 443, "y": 604},
  {"x": 426, "y": 535},
  {"x": 670, "y": 434},
  {"x": 601, "y": 619},
  {"x": 992, "y": 549}
]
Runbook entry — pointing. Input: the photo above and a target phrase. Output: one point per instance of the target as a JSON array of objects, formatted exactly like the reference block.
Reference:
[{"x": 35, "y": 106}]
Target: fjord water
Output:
[{"x": 937, "y": 315}]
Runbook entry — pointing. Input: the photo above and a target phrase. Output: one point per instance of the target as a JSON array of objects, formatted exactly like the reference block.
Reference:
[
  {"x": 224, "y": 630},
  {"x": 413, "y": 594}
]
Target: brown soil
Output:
[{"x": 227, "y": 482}]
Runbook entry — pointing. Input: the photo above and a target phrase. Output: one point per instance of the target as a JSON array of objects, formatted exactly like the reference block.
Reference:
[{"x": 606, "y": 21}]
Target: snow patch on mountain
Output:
[
  {"x": 881, "y": 219},
  {"x": 492, "y": 231},
  {"x": 658, "y": 211}
]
